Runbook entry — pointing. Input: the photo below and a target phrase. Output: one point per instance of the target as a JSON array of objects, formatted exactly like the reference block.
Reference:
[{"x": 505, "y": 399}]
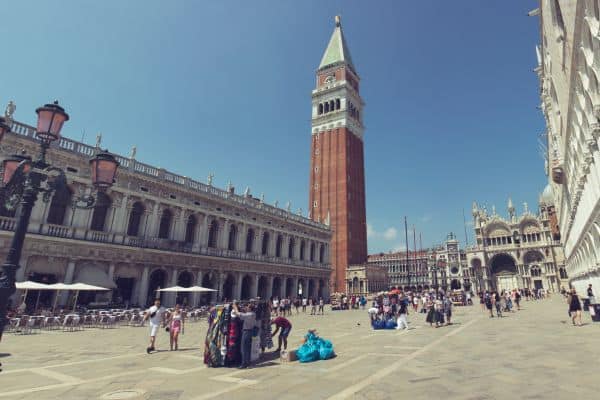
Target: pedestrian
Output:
[
  {"x": 498, "y": 303},
  {"x": 286, "y": 327},
  {"x": 304, "y": 303},
  {"x": 248, "y": 318},
  {"x": 321, "y": 306},
  {"x": 155, "y": 315},
  {"x": 313, "y": 306},
  {"x": 590, "y": 294},
  {"x": 401, "y": 322},
  {"x": 176, "y": 325},
  {"x": 518, "y": 299},
  {"x": 488, "y": 298},
  {"x": 448, "y": 310},
  {"x": 574, "y": 307},
  {"x": 482, "y": 300}
]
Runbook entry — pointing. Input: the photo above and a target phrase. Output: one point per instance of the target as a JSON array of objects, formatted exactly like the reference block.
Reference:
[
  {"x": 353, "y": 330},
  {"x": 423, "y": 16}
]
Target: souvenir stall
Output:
[{"x": 222, "y": 346}]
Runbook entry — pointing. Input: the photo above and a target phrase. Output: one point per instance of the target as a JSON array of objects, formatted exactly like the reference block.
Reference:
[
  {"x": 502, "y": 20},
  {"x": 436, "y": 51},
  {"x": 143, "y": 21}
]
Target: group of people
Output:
[
  {"x": 574, "y": 302},
  {"x": 173, "y": 321},
  {"x": 283, "y": 306},
  {"x": 503, "y": 301}
]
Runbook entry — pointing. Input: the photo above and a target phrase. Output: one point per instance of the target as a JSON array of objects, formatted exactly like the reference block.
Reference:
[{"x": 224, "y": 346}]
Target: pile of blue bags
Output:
[
  {"x": 314, "y": 348},
  {"x": 382, "y": 324}
]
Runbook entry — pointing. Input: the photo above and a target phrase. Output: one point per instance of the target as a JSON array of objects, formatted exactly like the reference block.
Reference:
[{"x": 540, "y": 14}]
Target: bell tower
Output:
[{"x": 337, "y": 179}]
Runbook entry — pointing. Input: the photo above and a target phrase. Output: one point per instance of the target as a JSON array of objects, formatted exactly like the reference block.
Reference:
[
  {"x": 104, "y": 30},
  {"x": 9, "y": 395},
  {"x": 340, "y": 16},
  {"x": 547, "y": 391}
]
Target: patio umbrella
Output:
[
  {"x": 187, "y": 289},
  {"x": 58, "y": 287},
  {"x": 30, "y": 285},
  {"x": 83, "y": 286},
  {"x": 172, "y": 289}
]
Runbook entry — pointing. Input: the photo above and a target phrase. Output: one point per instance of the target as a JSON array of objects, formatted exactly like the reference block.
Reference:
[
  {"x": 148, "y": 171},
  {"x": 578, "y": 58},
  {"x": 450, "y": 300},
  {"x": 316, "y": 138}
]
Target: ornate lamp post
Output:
[{"x": 23, "y": 180}]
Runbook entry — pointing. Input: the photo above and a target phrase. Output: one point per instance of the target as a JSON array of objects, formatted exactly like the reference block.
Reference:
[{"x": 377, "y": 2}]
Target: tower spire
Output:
[{"x": 337, "y": 50}]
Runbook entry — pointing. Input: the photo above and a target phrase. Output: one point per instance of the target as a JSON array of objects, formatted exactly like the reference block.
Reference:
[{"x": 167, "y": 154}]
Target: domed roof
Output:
[{"x": 547, "y": 196}]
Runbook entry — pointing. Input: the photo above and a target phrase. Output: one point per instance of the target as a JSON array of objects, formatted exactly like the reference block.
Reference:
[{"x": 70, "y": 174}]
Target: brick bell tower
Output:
[{"x": 337, "y": 176}]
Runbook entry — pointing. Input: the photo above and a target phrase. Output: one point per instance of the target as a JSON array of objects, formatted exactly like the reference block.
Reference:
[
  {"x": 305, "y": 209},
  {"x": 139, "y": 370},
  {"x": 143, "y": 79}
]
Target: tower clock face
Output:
[{"x": 330, "y": 79}]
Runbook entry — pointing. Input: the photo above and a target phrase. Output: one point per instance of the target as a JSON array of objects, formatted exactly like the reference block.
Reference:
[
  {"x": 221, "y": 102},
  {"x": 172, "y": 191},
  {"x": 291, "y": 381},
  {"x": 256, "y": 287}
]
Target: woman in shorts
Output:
[{"x": 176, "y": 326}]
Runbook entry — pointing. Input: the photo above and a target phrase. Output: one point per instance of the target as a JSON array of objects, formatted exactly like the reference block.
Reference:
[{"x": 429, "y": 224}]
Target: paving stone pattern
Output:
[{"x": 532, "y": 354}]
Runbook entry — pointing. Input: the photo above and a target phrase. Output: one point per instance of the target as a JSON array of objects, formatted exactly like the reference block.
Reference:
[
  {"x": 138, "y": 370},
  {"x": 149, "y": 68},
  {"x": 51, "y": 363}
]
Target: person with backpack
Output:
[{"x": 156, "y": 316}]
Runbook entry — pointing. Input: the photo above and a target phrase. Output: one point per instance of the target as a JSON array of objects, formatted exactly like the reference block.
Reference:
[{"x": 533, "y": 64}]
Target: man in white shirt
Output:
[
  {"x": 304, "y": 304},
  {"x": 155, "y": 315}
]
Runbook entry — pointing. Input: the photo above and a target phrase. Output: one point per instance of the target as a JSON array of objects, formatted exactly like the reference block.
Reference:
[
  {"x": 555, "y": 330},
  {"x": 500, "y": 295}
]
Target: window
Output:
[
  {"x": 58, "y": 206},
  {"x": 302, "y": 246},
  {"x": 249, "y": 240},
  {"x": 312, "y": 252},
  {"x": 315, "y": 204},
  {"x": 101, "y": 208},
  {"x": 322, "y": 254},
  {"x": 265, "y": 244},
  {"x": 190, "y": 229},
  {"x": 213, "y": 233},
  {"x": 165, "y": 224},
  {"x": 291, "y": 248},
  {"x": 320, "y": 109},
  {"x": 278, "y": 246},
  {"x": 232, "y": 237},
  {"x": 337, "y": 104},
  {"x": 316, "y": 170},
  {"x": 135, "y": 217}
]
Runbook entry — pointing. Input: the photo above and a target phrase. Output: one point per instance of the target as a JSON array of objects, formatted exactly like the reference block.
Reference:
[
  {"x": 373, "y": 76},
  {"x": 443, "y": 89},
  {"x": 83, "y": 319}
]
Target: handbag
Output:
[{"x": 167, "y": 328}]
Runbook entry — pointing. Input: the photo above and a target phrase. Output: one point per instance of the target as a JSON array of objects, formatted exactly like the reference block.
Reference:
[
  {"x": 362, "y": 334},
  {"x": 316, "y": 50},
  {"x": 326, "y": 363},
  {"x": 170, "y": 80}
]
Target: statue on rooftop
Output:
[
  {"x": 133, "y": 152},
  {"x": 209, "y": 179},
  {"x": 98, "y": 140},
  {"x": 9, "y": 111}
]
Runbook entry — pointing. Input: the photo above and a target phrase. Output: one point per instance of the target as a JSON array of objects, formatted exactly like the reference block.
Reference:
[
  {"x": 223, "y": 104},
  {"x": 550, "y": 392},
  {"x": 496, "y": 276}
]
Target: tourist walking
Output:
[
  {"x": 155, "y": 315},
  {"x": 448, "y": 310},
  {"x": 313, "y": 306},
  {"x": 590, "y": 295},
  {"x": 304, "y": 303},
  {"x": 401, "y": 322},
  {"x": 176, "y": 325},
  {"x": 488, "y": 298},
  {"x": 248, "y": 318},
  {"x": 574, "y": 307},
  {"x": 498, "y": 304},
  {"x": 321, "y": 306},
  {"x": 286, "y": 327}
]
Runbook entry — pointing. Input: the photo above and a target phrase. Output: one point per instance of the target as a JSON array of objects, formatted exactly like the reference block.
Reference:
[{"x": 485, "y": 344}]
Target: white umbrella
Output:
[
  {"x": 30, "y": 285},
  {"x": 83, "y": 286},
  {"x": 199, "y": 289},
  {"x": 172, "y": 289},
  {"x": 186, "y": 289}
]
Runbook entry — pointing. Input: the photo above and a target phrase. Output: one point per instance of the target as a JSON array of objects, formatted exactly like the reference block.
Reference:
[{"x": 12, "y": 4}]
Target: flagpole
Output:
[{"x": 406, "y": 238}]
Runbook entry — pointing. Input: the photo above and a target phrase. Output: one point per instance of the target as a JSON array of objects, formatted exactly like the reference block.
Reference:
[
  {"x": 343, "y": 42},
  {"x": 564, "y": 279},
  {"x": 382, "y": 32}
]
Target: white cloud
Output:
[
  {"x": 399, "y": 247},
  {"x": 390, "y": 233},
  {"x": 370, "y": 231},
  {"x": 426, "y": 218}
]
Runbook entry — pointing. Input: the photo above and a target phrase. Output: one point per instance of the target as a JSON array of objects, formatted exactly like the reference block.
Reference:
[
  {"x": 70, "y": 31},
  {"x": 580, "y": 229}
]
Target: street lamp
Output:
[{"x": 23, "y": 180}]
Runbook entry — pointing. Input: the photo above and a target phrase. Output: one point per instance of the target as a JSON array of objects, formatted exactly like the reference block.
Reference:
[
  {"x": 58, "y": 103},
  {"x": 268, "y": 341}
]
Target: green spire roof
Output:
[{"x": 337, "y": 49}]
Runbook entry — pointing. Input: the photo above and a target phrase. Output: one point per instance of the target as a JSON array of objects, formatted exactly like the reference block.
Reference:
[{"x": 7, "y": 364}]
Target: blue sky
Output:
[{"x": 224, "y": 87}]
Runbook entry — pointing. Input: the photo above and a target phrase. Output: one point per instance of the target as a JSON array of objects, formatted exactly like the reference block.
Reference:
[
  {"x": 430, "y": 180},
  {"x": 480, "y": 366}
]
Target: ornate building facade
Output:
[
  {"x": 516, "y": 252},
  {"x": 337, "y": 179},
  {"x": 366, "y": 278},
  {"x": 405, "y": 271},
  {"x": 154, "y": 229},
  {"x": 450, "y": 270},
  {"x": 569, "y": 73}
]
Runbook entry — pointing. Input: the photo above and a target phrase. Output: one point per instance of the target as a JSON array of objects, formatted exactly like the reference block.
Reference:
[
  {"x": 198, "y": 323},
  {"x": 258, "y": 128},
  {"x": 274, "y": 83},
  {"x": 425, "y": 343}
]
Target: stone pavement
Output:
[{"x": 532, "y": 354}]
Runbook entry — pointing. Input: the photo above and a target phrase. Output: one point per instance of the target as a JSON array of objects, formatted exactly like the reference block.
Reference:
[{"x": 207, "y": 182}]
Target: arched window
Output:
[
  {"x": 249, "y": 240},
  {"x": 165, "y": 224},
  {"x": 312, "y": 252},
  {"x": 265, "y": 244},
  {"x": 320, "y": 109},
  {"x": 58, "y": 206},
  {"x": 135, "y": 218},
  {"x": 190, "y": 229},
  {"x": 291, "y": 248},
  {"x": 213, "y": 233},
  {"x": 337, "y": 104},
  {"x": 563, "y": 273},
  {"x": 232, "y": 237},
  {"x": 322, "y": 254},
  {"x": 278, "y": 246},
  {"x": 332, "y": 105},
  {"x": 103, "y": 203},
  {"x": 302, "y": 246},
  {"x": 326, "y": 107}
]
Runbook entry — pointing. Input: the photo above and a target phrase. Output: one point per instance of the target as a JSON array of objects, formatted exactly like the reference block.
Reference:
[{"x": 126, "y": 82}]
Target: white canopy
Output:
[
  {"x": 85, "y": 286},
  {"x": 93, "y": 275},
  {"x": 186, "y": 289},
  {"x": 59, "y": 286},
  {"x": 29, "y": 285}
]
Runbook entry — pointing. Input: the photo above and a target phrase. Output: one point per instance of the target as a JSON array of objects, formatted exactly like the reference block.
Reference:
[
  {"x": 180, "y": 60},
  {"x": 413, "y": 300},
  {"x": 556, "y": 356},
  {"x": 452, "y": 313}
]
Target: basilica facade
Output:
[
  {"x": 155, "y": 229},
  {"x": 521, "y": 251}
]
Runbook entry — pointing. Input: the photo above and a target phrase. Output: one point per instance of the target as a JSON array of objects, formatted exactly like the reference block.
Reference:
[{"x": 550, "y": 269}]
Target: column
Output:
[
  {"x": 237, "y": 291},
  {"x": 171, "y": 297},
  {"x": 143, "y": 287},
  {"x": 240, "y": 244},
  {"x": 196, "y": 295},
  {"x": 201, "y": 236},
  {"x": 269, "y": 286},
  {"x": 64, "y": 295},
  {"x": 223, "y": 235},
  {"x": 111, "y": 277},
  {"x": 257, "y": 244},
  {"x": 254, "y": 290},
  {"x": 272, "y": 243}
]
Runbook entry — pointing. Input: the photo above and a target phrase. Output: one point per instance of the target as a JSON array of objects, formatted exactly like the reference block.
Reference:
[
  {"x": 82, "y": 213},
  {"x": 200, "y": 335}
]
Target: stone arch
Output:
[
  {"x": 503, "y": 263},
  {"x": 157, "y": 280},
  {"x": 291, "y": 248},
  {"x": 208, "y": 281},
  {"x": 213, "y": 233},
  {"x": 321, "y": 288},
  {"x": 312, "y": 252},
  {"x": 263, "y": 287},
  {"x": 190, "y": 229},
  {"x": 164, "y": 228},
  {"x": 246, "y": 292},
  {"x": 311, "y": 288},
  {"x": 529, "y": 225},
  {"x": 320, "y": 110},
  {"x": 279, "y": 246},
  {"x": 276, "y": 287},
  {"x": 301, "y": 288},
  {"x": 322, "y": 253},
  {"x": 100, "y": 212},
  {"x": 184, "y": 279},
  {"x": 228, "y": 287},
  {"x": 355, "y": 285},
  {"x": 497, "y": 228},
  {"x": 264, "y": 249},
  {"x": 232, "y": 237},
  {"x": 289, "y": 288},
  {"x": 250, "y": 240},
  {"x": 59, "y": 205},
  {"x": 533, "y": 256},
  {"x": 302, "y": 248},
  {"x": 135, "y": 218}
]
